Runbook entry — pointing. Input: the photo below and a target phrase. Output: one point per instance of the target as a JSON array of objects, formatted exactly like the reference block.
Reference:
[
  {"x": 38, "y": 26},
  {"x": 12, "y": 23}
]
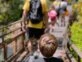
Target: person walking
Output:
[
  {"x": 47, "y": 47},
  {"x": 35, "y": 13}
]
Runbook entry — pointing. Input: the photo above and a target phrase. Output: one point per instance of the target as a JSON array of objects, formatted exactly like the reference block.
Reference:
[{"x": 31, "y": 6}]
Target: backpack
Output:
[
  {"x": 35, "y": 14},
  {"x": 40, "y": 59},
  {"x": 35, "y": 59}
]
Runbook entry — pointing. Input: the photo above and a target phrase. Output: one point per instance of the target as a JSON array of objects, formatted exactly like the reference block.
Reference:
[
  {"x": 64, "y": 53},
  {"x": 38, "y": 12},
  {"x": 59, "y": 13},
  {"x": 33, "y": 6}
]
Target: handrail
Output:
[
  {"x": 17, "y": 45},
  {"x": 1, "y": 52},
  {"x": 19, "y": 21},
  {"x": 76, "y": 50}
]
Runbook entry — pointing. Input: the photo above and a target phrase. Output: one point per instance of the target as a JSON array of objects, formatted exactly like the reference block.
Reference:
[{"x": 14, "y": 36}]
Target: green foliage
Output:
[
  {"x": 76, "y": 28},
  {"x": 10, "y": 10},
  {"x": 76, "y": 32}
]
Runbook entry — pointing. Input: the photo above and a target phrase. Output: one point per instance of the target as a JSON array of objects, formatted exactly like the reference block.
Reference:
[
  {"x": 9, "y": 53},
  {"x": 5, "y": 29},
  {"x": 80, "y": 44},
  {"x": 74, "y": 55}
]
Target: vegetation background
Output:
[{"x": 10, "y": 10}]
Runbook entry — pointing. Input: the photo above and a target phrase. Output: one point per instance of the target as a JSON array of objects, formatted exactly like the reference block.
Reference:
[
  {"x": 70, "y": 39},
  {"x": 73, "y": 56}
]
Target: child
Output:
[
  {"x": 47, "y": 46},
  {"x": 52, "y": 14}
]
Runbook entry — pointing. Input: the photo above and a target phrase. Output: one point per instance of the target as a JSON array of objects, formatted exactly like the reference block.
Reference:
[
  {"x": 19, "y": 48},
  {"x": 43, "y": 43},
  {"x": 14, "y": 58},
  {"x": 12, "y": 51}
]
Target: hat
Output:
[{"x": 52, "y": 14}]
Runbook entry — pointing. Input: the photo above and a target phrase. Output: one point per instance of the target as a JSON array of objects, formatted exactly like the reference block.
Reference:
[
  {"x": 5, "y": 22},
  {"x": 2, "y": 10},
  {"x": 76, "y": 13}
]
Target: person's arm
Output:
[
  {"x": 24, "y": 15},
  {"x": 47, "y": 29},
  {"x": 25, "y": 10}
]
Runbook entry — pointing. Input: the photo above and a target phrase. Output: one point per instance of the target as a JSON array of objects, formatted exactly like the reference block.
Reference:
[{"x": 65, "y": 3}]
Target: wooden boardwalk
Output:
[
  {"x": 14, "y": 46},
  {"x": 15, "y": 51},
  {"x": 61, "y": 33}
]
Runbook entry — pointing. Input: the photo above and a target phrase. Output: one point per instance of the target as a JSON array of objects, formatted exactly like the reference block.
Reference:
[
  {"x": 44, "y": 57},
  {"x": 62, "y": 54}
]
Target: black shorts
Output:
[{"x": 36, "y": 33}]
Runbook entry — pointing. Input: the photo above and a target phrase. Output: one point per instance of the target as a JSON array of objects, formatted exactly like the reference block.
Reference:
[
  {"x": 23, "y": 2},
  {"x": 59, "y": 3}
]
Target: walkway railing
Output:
[
  {"x": 12, "y": 41},
  {"x": 76, "y": 53}
]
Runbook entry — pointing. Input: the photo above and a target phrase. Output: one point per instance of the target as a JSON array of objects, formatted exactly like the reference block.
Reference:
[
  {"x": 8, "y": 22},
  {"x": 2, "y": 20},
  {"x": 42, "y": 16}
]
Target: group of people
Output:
[
  {"x": 58, "y": 10},
  {"x": 37, "y": 14}
]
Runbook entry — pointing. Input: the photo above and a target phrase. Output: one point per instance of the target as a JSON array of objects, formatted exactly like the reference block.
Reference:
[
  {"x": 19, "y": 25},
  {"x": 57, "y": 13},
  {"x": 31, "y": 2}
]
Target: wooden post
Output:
[
  {"x": 20, "y": 43},
  {"x": 79, "y": 59},
  {"x": 14, "y": 46},
  {"x": 23, "y": 39},
  {"x": 4, "y": 45},
  {"x": 5, "y": 51},
  {"x": 23, "y": 36}
]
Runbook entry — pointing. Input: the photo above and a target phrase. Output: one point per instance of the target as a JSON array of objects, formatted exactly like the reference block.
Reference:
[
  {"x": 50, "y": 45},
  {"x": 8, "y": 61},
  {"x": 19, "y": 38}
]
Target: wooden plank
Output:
[
  {"x": 77, "y": 50},
  {"x": 5, "y": 51},
  {"x": 15, "y": 36},
  {"x": 70, "y": 56},
  {"x": 14, "y": 47},
  {"x": 22, "y": 56},
  {"x": 15, "y": 26},
  {"x": 14, "y": 56}
]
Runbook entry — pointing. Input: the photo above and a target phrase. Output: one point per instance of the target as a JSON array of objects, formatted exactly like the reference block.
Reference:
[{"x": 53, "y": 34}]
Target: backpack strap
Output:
[
  {"x": 43, "y": 3},
  {"x": 44, "y": 6}
]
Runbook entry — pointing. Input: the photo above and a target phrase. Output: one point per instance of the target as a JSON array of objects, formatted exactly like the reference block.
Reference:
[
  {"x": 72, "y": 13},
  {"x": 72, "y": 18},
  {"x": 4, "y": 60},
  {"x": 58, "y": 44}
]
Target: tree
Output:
[{"x": 10, "y": 10}]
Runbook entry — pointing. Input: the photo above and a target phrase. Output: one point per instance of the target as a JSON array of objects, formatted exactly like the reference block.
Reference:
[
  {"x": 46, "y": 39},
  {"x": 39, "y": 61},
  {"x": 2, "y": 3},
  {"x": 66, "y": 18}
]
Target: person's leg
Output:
[
  {"x": 31, "y": 32},
  {"x": 32, "y": 44},
  {"x": 34, "y": 35},
  {"x": 38, "y": 33}
]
